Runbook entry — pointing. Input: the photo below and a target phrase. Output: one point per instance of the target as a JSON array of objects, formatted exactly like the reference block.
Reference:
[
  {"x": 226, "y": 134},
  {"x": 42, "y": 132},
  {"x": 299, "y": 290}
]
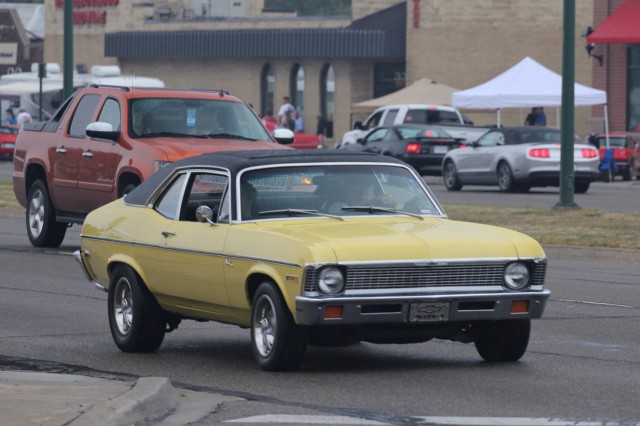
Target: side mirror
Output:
[
  {"x": 360, "y": 141},
  {"x": 283, "y": 136},
  {"x": 358, "y": 125},
  {"x": 102, "y": 130},
  {"x": 205, "y": 214}
]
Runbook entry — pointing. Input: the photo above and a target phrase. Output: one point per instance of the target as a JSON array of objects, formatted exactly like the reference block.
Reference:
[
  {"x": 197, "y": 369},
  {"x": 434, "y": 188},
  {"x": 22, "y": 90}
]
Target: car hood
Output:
[
  {"x": 394, "y": 239},
  {"x": 177, "y": 148}
]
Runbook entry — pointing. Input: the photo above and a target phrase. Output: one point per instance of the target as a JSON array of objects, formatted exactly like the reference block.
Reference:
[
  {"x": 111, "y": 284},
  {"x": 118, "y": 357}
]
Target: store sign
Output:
[
  {"x": 95, "y": 15},
  {"x": 8, "y": 53}
]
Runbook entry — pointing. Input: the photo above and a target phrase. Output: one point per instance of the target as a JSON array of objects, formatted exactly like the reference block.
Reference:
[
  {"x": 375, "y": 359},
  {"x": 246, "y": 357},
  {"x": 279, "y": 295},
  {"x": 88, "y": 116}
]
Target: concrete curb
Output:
[{"x": 150, "y": 397}]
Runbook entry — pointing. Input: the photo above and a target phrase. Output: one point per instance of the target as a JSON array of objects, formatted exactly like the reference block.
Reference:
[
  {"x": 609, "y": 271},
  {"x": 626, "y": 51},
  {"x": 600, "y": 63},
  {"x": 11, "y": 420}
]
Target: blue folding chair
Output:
[{"x": 608, "y": 166}]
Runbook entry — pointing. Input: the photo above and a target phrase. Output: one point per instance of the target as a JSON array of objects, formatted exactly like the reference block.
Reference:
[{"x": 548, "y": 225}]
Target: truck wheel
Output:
[
  {"x": 626, "y": 173},
  {"x": 42, "y": 228},
  {"x": 503, "y": 341},
  {"x": 278, "y": 343},
  {"x": 137, "y": 322},
  {"x": 506, "y": 182},
  {"x": 450, "y": 177}
]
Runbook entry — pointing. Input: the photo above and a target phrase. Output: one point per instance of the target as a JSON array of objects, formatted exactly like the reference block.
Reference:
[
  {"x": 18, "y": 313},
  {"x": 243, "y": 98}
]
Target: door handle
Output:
[
  {"x": 168, "y": 234},
  {"x": 87, "y": 154},
  {"x": 61, "y": 150}
]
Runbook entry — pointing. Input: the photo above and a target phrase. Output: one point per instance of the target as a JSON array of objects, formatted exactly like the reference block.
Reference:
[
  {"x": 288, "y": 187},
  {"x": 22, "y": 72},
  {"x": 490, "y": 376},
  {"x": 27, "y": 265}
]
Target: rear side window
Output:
[
  {"x": 83, "y": 114},
  {"x": 391, "y": 117},
  {"x": 431, "y": 116}
]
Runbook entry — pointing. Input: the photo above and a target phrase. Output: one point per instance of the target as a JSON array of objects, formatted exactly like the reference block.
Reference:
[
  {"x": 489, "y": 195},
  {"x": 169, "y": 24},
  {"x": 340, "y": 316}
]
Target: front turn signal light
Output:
[
  {"x": 333, "y": 312},
  {"x": 520, "y": 307}
]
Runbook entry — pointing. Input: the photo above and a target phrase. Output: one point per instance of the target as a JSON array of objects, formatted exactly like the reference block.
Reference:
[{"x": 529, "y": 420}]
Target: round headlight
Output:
[
  {"x": 330, "y": 280},
  {"x": 516, "y": 275}
]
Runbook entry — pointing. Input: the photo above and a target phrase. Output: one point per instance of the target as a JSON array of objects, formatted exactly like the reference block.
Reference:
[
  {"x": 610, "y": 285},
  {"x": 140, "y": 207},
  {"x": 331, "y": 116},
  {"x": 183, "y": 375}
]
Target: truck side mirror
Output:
[
  {"x": 283, "y": 136},
  {"x": 102, "y": 130},
  {"x": 358, "y": 125}
]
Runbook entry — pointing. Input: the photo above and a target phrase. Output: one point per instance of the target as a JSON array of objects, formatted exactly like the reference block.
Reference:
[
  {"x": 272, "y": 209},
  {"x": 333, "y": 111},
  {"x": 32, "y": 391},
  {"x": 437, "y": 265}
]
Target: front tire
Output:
[
  {"x": 42, "y": 228},
  {"x": 450, "y": 177},
  {"x": 277, "y": 342},
  {"x": 582, "y": 187},
  {"x": 506, "y": 182},
  {"x": 137, "y": 322},
  {"x": 503, "y": 341}
]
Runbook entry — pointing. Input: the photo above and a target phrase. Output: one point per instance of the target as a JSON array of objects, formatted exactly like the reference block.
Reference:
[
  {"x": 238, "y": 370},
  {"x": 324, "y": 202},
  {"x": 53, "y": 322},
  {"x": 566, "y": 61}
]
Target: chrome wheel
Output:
[
  {"x": 505, "y": 178},
  {"x": 123, "y": 306},
  {"x": 36, "y": 213},
  {"x": 264, "y": 326},
  {"x": 450, "y": 177}
]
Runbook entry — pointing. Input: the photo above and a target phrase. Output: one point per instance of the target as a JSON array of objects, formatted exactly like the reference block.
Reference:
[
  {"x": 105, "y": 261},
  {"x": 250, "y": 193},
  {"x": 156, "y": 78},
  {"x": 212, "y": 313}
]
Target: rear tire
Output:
[
  {"x": 626, "y": 173},
  {"x": 136, "y": 320},
  {"x": 277, "y": 342},
  {"x": 450, "y": 177},
  {"x": 503, "y": 341},
  {"x": 582, "y": 187},
  {"x": 42, "y": 228},
  {"x": 506, "y": 182}
]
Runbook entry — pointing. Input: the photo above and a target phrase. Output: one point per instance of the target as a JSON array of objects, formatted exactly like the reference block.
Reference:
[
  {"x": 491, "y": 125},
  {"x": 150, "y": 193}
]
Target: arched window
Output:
[
  {"x": 296, "y": 87},
  {"x": 267, "y": 83},
  {"x": 327, "y": 92}
]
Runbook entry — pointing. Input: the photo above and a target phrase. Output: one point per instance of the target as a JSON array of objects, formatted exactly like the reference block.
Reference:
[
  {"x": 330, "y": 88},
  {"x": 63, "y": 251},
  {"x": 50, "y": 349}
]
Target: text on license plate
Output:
[
  {"x": 440, "y": 149},
  {"x": 428, "y": 311}
]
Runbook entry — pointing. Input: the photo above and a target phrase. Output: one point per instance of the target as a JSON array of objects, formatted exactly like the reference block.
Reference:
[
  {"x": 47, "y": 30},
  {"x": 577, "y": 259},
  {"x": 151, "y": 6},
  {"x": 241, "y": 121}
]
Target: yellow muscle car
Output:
[{"x": 308, "y": 248}]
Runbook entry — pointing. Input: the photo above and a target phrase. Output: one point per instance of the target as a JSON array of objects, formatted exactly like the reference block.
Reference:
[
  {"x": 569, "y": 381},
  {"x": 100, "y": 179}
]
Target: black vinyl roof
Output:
[
  {"x": 236, "y": 161},
  {"x": 380, "y": 36}
]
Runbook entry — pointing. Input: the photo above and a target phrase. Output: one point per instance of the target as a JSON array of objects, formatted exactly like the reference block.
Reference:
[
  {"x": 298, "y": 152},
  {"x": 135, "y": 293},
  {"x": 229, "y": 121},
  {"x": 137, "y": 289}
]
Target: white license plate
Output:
[
  {"x": 440, "y": 149},
  {"x": 429, "y": 311}
]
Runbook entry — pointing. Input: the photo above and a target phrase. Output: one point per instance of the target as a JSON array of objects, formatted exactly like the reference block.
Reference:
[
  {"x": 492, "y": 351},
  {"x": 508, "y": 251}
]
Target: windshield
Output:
[
  {"x": 333, "y": 190},
  {"x": 202, "y": 118}
]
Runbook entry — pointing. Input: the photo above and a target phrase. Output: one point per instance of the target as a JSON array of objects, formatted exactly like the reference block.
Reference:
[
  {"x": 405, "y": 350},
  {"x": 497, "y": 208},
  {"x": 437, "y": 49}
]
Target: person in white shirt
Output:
[
  {"x": 22, "y": 118},
  {"x": 284, "y": 108}
]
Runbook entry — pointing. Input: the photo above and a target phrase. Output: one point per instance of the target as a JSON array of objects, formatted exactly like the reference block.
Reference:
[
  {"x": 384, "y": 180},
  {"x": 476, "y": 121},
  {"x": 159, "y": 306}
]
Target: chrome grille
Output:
[{"x": 416, "y": 276}]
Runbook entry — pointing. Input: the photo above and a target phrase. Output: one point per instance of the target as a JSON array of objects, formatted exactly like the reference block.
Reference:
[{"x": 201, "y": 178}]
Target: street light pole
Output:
[
  {"x": 568, "y": 106},
  {"x": 67, "y": 87}
]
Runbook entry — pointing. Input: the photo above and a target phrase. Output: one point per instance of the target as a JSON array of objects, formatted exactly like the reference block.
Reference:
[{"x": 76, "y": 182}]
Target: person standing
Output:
[
  {"x": 321, "y": 128},
  {"x": 541, "y": 118},
  {"x": 299, "y": 123},
  {"x": 10, "y": 119},
  {"x": 285, "y": 108},
  {"x": 23, "y": 117},
  {"x": 532, "y": 117}
]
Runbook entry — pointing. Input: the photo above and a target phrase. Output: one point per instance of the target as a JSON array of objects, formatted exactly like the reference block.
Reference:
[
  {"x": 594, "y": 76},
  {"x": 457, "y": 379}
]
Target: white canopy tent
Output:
[
  {"x": 527, "y": 84},
  {"x": 423, "y": 91}
]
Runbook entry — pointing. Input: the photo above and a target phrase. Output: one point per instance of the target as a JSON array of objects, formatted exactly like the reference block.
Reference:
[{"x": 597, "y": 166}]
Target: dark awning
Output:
[{"x": 622, "y": 26}]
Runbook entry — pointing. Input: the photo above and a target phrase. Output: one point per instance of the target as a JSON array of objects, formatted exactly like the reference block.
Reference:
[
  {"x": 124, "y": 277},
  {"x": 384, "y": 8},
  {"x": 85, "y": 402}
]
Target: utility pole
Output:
[
  {"x": 568, "y": 106},
  {"x": 67, "y": 86}
]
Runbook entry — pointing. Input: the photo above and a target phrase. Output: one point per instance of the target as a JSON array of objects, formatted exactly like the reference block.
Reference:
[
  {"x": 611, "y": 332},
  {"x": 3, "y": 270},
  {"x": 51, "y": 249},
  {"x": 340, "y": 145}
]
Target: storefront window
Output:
[
  {"x": 633, "y": 75},
  {"x": 297, "y": 87},
  {"x": 267, "y": 83},
  {"x": 327, "y": 90}
]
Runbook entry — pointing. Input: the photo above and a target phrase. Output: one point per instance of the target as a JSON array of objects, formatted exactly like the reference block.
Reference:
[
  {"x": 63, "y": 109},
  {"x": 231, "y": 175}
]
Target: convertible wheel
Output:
[
  {"x": 136, "y": 320},
  {"x": 506, "y": 182},
  {"x": 582, "y": 187},
  {"x": 278, "y": 343},
  {"x": 450, "y": 177},
  {"x": 42, "y": 228},
  {"x": 503, "y": 341}
]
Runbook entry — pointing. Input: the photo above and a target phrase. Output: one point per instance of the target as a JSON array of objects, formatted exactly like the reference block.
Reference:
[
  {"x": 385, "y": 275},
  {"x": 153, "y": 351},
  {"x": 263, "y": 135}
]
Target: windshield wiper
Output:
[
  {"x": 164, "y": 134},
  {"x": 373, "y": 209},
  {"x": 227, "y": 136},
  {"x": 291, "y": 212}
]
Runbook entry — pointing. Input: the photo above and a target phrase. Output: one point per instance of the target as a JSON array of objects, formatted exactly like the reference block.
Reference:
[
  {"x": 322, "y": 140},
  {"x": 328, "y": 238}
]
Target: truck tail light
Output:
[{"x": 539, "y": 153}]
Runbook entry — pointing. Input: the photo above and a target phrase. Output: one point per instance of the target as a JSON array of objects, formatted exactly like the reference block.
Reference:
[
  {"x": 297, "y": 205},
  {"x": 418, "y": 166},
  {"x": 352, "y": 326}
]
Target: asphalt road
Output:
[{"x": 583, "y": 361}]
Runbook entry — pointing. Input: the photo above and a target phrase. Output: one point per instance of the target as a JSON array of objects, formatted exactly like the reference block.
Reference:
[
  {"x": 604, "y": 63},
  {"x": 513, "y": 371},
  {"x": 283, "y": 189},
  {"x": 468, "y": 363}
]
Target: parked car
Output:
[
  {"x": 105, "y": 140},
  {"x": 300, "y": 140},
  {"x": 516, "y": 159},
  {"x": 7, "y": 142},
  {"x": 446, "y": 117},
  {"x": 254, "y": 238},
  {"x": 419, "y": 145},
  {"x": 625, "y": 150}
]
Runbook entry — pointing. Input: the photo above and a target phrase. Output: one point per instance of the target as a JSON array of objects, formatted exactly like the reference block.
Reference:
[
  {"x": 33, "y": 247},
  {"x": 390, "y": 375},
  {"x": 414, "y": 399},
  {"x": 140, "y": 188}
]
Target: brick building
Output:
[{"x": 325, "y": 64}]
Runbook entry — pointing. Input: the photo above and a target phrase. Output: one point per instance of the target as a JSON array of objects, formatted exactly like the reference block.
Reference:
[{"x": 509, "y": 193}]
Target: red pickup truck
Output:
[
  {"x": 105, "y": 140},
  {"x": 625, "y": 149}
]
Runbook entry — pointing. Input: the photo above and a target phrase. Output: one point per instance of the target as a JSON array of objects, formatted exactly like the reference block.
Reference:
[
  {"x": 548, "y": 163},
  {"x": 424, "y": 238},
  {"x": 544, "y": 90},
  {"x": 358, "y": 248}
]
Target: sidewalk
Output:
[{"x": 28, "y": 398}]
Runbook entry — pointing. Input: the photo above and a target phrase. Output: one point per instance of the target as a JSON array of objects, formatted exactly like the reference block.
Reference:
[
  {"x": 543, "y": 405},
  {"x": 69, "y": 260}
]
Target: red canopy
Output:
[{"x": 622, "y": 26}]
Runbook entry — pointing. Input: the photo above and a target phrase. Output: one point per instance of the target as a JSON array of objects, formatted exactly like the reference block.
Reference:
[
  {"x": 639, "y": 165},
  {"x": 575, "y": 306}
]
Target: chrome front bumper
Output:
[
  {"x": 77, "y": 255},
  {"x": 396, "y": 309}
]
